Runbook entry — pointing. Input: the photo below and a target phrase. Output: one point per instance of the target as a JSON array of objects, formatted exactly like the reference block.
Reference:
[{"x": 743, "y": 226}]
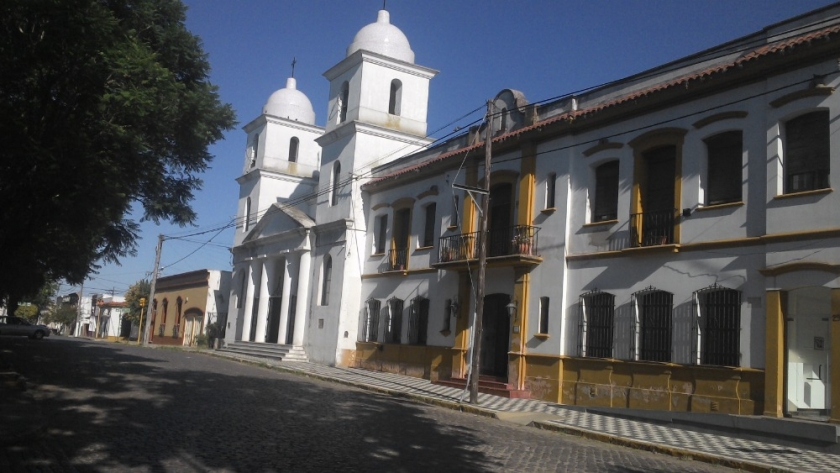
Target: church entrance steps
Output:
[
  {"x": 271, "y": 351},
  {"x": 488, "y": 385}
]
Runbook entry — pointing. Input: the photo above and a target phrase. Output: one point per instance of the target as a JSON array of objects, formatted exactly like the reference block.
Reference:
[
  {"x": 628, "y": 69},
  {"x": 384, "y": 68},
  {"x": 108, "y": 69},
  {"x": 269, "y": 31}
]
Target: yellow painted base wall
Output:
[
  {"x": 426, "y": 362},
  {"x": 639, "y": 385}
]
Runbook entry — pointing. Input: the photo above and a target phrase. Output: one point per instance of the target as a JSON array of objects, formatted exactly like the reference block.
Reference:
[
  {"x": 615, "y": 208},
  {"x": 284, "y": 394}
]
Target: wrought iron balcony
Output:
[
  {"x": 519, "y": 240},
  {"x": 652, "y": 228},
  {"x": 397, "y": 260}
]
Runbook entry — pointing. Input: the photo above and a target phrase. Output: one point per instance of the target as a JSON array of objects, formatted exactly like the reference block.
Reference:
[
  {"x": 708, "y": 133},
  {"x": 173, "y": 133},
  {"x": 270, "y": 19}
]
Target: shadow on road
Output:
[{"x": 119, "y": 407}]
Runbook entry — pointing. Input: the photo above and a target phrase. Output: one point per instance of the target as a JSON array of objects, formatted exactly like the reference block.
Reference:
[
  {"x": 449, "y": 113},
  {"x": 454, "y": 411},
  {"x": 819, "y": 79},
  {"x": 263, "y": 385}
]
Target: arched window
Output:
[
  {"x": 327, "y": 279},
  {"x": 395, "y": 101},
  {"x": 342, "y": 102},
  {"x": 247, "y": 215},
  {"x": 293, "y": 149},
  {"x": 335, "y": 183}
]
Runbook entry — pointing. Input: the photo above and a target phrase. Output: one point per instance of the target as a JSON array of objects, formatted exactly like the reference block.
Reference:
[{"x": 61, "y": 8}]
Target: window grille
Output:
[
  {"x": 652, "y": 335},
  {"x": 716, "y": 328},
  {"x": 370, "y": 330},
  {"x": 597, "y": 312},
  {"x": 418, "y": 321},
  {"x": 393, "y": 326}
]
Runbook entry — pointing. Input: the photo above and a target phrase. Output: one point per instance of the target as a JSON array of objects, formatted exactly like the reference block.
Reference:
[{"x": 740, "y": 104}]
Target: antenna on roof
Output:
[
  {"x": 383, "y": 4},
  {"x": 294, "y": 61}
]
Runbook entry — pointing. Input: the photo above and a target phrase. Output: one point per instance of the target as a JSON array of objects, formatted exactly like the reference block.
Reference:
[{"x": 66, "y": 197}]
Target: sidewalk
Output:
[{"x": 677, "y": 438}]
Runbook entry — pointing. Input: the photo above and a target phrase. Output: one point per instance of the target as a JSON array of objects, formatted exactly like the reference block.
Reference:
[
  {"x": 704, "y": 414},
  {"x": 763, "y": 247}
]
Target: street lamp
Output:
[{"x": 511, "y": 309}]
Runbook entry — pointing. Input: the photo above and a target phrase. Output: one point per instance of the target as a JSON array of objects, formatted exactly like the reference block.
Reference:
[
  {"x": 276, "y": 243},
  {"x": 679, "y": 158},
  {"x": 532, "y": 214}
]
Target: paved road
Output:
[{"x": 114, "y": 407}]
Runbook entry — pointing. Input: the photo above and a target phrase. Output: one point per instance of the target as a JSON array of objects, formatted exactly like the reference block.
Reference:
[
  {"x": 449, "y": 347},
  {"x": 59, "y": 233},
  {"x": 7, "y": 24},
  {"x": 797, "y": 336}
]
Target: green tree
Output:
[
  {"x": 138, "y": 290},
  {"x": 104, "y": 105},
  {"x": 64, "y": 314},
  {"x": 27, "y": 311}
]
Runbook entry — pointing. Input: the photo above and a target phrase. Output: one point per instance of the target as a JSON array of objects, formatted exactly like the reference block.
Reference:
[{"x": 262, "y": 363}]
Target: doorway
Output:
[
  {"x": 808, "y": 353},
  {"x": 495, "y": 336}
]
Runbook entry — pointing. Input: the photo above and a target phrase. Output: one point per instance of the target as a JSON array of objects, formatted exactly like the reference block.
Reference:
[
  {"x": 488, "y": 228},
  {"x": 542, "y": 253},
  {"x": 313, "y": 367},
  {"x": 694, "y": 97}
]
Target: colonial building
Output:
[
  {"x": 667, "y": 241},
  {"x": 185, "y": 304},
  {"x": 108, "y": 318}
]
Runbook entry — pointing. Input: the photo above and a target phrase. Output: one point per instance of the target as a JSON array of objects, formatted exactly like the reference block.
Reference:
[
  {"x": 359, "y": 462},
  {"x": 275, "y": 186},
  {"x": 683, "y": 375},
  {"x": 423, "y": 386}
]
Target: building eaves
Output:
[{"x": 685, "y": 81}]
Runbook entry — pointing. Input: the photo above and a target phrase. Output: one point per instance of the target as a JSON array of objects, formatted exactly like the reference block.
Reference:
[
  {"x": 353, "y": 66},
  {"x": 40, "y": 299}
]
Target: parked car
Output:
[{"x": 10, "y": 325}]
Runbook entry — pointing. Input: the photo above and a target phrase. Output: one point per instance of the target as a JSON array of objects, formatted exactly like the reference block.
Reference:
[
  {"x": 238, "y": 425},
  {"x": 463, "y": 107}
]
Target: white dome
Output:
[
  {"x": 383, "y": 38},
  {"x": 290, "y": 103}
]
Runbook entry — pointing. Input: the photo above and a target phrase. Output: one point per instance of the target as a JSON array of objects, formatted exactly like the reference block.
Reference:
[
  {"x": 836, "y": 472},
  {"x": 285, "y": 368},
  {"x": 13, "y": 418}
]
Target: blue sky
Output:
[{"x": 542, "y": 48}]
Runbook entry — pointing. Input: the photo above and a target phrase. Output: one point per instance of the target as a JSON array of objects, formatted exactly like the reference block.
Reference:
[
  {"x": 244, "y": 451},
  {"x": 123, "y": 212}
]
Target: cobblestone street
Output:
[{"x": 115, "y": 407}]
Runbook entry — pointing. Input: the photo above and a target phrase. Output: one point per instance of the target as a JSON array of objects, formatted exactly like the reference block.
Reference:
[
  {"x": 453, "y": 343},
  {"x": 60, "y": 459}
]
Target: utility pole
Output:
[
  {"x": 151, "y": 301},
  {"x": 482, "y": 258}
]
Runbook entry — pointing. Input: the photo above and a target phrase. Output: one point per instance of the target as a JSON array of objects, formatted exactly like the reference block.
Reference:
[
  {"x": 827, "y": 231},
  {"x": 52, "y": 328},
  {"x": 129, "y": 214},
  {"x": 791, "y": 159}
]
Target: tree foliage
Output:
[
  {"x": 138, "y": 290},
  {"x": 104, "y": 104},
  {"x": 64, "y": 314},
  {"x": 28, "y": 312}
]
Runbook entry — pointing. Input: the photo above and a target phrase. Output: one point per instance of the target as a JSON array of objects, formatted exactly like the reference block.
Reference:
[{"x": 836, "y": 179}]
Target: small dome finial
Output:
[{"x": 294, "y": 61}]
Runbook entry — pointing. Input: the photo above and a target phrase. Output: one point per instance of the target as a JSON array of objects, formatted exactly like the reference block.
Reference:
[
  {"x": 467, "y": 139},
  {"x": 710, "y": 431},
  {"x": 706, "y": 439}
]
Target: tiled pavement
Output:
[{"x": 712, "y": 447}]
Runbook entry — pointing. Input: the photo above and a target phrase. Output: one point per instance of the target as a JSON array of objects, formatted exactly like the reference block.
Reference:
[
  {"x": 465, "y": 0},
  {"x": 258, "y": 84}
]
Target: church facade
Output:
[{"x": 667, "y": 241}]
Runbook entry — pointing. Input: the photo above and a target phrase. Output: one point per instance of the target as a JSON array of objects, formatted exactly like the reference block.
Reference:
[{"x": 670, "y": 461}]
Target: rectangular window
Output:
[
  {"x": 543, "y": 328},
  {"x": 717, "y": 326},
  {"x": 370, "y": 330},
  {"x": 606, "y": 192},
  {"x": 381, "y": 233},
  {"x": 597, "y": 311},
  {"x": 393, "y": 326},
  {"x": 807, "y": 152},
  {"x": 454, "y": 221},
  {"x": 429, "y": 227},
  {"x": 653, "y": 325},
  {"x": 723, "y": 176},
  {"x": 448, "y": 313},
  {"x": 418, "y": 321},
  {"x": 550, "y": 190}
]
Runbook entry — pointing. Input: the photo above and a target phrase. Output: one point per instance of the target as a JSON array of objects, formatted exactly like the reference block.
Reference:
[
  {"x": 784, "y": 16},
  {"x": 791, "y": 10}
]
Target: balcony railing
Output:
[
  {"x": 519, "y": 240},
  {"x": 397, "y": 260},
  {"x": 652, "y": 228}
]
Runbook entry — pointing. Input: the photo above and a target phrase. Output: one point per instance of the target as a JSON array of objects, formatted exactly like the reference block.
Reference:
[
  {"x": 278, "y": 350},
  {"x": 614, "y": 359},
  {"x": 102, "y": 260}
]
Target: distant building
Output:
[
  {"x": 108, "y": 319},
  {"x": 185, "y": 304},
  {"x": 667, "y": 241}
]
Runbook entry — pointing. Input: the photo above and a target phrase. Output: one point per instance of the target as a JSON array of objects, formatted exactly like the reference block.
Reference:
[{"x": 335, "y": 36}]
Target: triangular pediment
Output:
[{"x": 279, "y": 220}]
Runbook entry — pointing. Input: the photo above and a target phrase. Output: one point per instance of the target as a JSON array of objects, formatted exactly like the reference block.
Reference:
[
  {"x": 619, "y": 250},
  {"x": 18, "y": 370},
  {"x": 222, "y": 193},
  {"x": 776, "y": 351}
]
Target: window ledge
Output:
[
  {"x": 549, "y": 210},
  {"x": 603, "y": 223},
  {"x": 445, "y": 333},
  {"x": 378, "y": 254},
  {"x": 827, "y": 190},
  {"x": 426, "y": 248},
  {"x": 452, "y": 227},
  {"x": 542, "y": 336},
  {"x": 720, "y": 206}
]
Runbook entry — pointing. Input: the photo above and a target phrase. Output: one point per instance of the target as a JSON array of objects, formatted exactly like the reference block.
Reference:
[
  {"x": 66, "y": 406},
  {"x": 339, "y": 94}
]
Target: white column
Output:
[
  {"x": 262, "y": 308},
  {"x": 301, "y": 310},
  {"x": 249, "y": 300},
  {"x": 284, "y": 301}
]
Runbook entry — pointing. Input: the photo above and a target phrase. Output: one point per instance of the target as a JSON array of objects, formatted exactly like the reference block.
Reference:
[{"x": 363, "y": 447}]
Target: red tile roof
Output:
[{"x": 782, "y": 46}]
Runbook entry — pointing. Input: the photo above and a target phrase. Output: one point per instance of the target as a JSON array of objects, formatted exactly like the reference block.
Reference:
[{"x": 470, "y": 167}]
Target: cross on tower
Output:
[{"x": 294, "y": 61}]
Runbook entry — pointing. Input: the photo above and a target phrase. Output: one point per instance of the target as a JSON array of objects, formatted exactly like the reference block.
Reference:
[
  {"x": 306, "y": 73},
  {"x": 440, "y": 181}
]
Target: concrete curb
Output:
[{"x": 754, "y": 467}]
